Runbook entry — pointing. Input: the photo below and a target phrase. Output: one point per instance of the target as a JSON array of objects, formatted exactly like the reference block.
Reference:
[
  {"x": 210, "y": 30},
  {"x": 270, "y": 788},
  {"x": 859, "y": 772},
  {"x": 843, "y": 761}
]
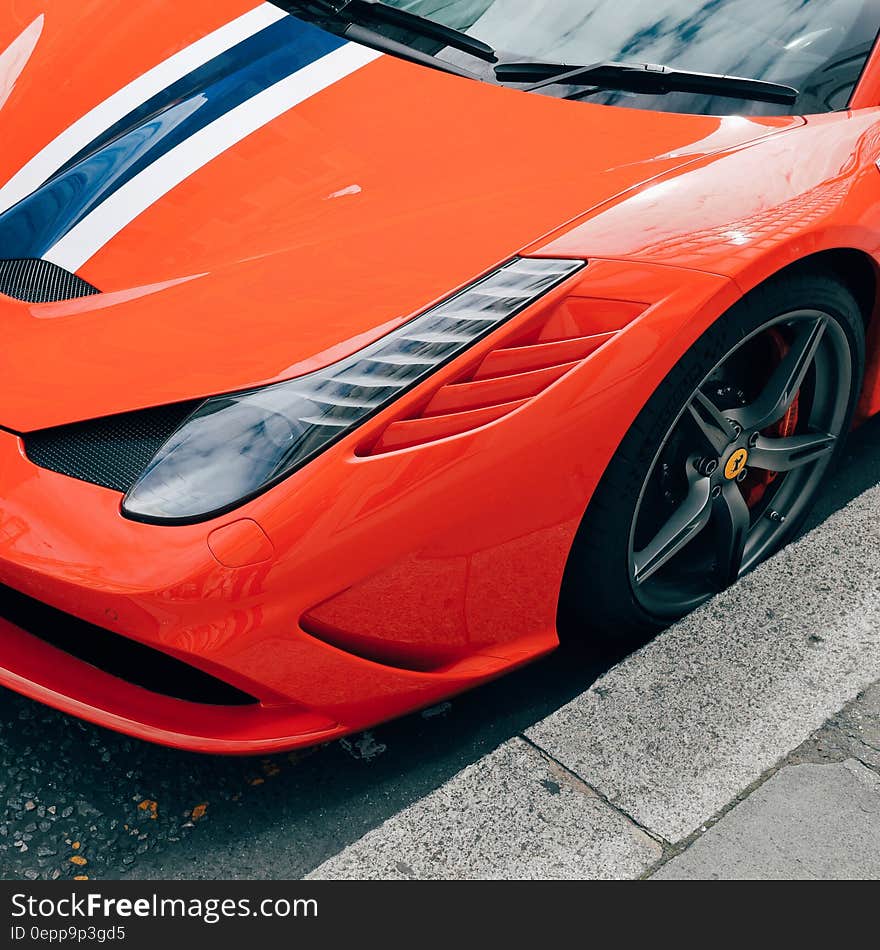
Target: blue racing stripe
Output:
[{"x": 31, "y": 227}]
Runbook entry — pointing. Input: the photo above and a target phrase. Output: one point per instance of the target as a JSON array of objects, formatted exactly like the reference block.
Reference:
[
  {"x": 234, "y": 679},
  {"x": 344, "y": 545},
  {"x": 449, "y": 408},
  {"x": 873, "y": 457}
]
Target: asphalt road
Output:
[{"x": 83, "y": 801}]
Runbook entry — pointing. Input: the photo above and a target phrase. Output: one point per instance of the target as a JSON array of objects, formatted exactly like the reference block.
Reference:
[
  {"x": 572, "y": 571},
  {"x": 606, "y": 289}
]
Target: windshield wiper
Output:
[
  {"x": 644, "y": 77},
  {"x": 358, "y": 15},
  {"x": 364, "y": 12}
]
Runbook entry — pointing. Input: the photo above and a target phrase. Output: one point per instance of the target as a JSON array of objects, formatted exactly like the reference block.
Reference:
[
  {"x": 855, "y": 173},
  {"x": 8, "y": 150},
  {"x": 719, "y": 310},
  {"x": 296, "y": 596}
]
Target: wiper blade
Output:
[
  {"x": 375, "y": 11},
  {"x": 644, "y": 77}
]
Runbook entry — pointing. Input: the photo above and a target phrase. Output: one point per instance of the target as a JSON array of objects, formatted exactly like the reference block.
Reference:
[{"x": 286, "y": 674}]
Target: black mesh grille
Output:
[
  {"x": 36, "y": 281},
  {"x": 112, "y": 451}
]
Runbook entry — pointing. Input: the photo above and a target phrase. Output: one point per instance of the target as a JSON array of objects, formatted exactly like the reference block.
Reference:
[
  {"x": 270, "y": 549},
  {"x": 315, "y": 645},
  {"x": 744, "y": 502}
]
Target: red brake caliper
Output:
[{"x": 758, "y": 482}]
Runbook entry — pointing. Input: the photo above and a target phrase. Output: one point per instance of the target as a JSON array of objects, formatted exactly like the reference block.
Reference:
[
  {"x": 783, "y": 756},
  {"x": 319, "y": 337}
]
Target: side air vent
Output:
[
  {"x": 112, "y": 451},
  {"x": 508, "y": 377},
  {"x": 36, "y": 281}
]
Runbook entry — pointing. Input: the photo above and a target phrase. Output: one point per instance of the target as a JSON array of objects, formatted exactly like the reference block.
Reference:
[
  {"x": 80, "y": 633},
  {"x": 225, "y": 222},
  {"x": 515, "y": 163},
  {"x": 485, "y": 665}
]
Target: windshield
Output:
[{"x": 818, "y": 46}]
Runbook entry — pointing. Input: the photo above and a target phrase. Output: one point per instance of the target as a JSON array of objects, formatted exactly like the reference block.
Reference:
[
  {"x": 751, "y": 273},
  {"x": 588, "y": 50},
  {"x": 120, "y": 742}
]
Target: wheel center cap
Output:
[{"x": 735, "y": 464}]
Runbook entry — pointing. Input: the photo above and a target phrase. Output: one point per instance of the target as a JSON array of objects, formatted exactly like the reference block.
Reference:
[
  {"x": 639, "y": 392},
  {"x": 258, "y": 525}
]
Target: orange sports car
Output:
[{"x": 353, "y": 352}]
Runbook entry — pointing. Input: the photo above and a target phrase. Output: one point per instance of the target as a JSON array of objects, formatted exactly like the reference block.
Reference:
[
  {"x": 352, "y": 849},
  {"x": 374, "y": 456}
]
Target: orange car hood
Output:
[{"x": 375, "y": 189}]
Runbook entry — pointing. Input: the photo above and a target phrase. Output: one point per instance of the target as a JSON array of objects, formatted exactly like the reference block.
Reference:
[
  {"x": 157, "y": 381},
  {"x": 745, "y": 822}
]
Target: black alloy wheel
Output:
[{"x": 721, "y": 466}]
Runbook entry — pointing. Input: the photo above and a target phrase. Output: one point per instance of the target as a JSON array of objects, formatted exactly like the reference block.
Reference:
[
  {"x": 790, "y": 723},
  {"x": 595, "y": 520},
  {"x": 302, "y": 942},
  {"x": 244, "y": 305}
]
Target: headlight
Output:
[{"x": 234, "y": 447}]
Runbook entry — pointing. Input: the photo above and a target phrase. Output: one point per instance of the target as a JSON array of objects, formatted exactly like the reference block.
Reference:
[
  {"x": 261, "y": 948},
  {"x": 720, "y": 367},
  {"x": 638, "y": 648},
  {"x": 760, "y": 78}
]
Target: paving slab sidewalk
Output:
[
  {"x": 817, "y": 817},
  {"x": 649, "y": 771}
]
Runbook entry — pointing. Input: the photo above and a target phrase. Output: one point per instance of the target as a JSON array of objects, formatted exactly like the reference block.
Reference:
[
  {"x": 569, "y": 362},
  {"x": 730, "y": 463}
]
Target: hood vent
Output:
[{"x": 37, "y": 281}]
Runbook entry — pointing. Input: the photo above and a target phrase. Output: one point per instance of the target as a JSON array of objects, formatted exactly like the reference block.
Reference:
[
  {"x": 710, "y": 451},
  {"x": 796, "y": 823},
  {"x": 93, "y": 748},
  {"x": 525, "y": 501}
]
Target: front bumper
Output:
[{"x": 390, "y": 581}]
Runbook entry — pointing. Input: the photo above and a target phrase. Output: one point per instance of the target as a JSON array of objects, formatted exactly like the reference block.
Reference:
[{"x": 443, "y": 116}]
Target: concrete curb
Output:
[{"x": 664, "y": 741}]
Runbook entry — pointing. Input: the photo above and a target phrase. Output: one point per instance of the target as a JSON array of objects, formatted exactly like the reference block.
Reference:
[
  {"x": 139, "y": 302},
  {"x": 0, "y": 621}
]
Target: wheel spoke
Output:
[
  {"x": 713, "y": 425},
  {"x": 785, "y": 454},
  {"x": 788, "y": 377},
  {"x": 685, "y": 524},
  {"x": 731, "y": 519}
]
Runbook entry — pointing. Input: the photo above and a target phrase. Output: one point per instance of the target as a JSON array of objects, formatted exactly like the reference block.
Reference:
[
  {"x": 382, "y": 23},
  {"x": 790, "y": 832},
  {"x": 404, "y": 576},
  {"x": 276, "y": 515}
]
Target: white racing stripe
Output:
[
  {"x": 76, "y": 137},
  {"x": 142, "y": 191}
]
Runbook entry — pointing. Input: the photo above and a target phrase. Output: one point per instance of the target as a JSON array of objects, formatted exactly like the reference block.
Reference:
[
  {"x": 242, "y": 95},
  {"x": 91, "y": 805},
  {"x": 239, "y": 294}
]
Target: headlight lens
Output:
[{"x": 234, "y": 447}]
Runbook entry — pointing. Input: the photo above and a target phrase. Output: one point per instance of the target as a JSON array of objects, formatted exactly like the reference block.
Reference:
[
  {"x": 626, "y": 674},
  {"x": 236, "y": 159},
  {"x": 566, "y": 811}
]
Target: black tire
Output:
[{"x": 600, "y": 596}]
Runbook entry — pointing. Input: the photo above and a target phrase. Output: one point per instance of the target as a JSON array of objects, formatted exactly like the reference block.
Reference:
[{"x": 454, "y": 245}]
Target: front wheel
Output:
[{"x": 721, "y": 466}]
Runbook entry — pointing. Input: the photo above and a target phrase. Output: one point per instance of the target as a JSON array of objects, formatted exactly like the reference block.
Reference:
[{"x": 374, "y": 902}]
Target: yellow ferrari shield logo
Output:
[{"x": 735, "y": 464}]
